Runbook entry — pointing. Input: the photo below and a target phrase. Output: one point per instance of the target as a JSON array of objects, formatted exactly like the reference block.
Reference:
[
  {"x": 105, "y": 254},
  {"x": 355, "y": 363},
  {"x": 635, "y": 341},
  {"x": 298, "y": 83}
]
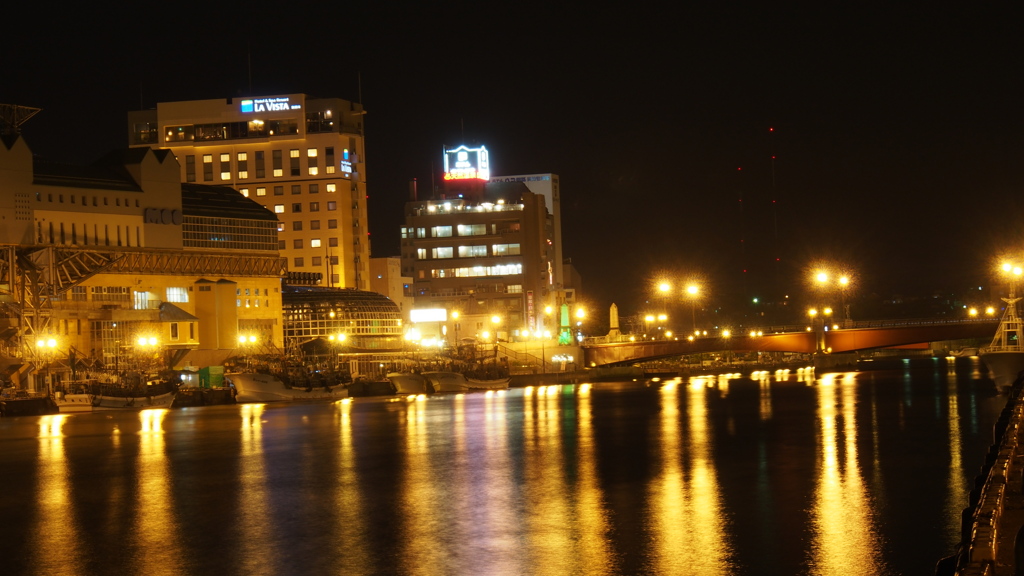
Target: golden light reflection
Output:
[
  {"x": 56, "y": 534},
  {"x": 958, "y": 489},
  {"x": 805, "y": 375},
  {"x": 844, "y": 536},
  {"x": 252, "y": 502},
  {"x": 494, "y": 519},
  {"x": 592, "y": 546},
  {"x": 156, "y": 528},
  {"x": 348, "y": 499},
  {"x": 550, "y": 540},
  {"x": 420, "y": 498},
  {"x": 689, "y": 527},
  {"x": 764, "y": 382}
]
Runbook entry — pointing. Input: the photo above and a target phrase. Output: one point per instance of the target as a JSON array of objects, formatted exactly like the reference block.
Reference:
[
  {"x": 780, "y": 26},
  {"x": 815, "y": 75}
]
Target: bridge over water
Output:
[{"x": 865, "y": 335}]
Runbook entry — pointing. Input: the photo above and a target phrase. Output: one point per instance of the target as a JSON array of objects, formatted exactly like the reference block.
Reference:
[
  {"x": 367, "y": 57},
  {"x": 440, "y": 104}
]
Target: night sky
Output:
[{"x": 897, "y": 134}]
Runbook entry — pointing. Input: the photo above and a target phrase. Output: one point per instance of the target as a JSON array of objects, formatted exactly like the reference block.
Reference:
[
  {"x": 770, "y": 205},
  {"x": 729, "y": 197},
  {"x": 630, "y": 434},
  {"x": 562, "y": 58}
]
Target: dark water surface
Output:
[{"x": 855, "y": 473}]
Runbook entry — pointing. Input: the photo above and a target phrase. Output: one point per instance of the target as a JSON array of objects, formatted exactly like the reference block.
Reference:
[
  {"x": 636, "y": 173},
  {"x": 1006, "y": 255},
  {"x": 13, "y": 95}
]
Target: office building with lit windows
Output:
[
  {"x": 485, "y": 247},
  {"x": 99, "y": 259},
  {"x": 300, "y": 157}
]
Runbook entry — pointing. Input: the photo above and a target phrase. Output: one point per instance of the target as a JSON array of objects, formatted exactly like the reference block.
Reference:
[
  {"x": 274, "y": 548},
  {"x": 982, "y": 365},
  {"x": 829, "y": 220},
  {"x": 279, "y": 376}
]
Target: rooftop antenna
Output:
[
  {"x": 12, "y": 116},
  {"x": 248, "y": 58}
]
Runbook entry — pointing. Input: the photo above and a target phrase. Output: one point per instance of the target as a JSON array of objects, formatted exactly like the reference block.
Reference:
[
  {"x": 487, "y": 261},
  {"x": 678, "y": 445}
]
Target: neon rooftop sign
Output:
[
  {"x": 464, "y": 163},
  {"x": 274, "y": 104}
]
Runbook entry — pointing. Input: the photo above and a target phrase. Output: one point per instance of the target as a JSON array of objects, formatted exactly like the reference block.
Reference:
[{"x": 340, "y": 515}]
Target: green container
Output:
[{"x": 211, "y": 377}]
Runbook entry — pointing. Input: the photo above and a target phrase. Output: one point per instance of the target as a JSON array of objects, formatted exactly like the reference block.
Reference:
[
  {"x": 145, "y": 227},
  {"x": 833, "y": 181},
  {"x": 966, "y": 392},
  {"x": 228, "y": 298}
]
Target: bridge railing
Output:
[{"x": 790, "y": 328}]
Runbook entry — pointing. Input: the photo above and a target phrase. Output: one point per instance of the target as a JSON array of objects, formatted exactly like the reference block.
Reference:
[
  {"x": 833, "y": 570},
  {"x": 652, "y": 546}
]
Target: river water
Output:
[{"x": 782, "y": 473}]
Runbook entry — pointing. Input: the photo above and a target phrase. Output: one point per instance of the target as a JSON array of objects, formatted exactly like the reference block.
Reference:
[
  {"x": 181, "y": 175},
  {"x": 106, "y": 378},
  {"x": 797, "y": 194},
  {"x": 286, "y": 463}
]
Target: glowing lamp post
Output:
[
  {"x": 46, "y": 348},
  {"x": 693, "y": 292}
]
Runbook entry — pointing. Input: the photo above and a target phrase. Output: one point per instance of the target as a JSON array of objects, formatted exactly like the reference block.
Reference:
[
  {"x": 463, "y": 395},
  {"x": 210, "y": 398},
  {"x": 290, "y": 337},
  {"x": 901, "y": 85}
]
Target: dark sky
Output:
[{"x": 898, "y": 132}]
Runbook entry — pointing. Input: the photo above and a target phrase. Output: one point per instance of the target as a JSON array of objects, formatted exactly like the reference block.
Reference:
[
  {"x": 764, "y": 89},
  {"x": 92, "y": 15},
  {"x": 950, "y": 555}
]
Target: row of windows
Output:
[
  {"x": 469, "y": 251},
  {"x": 315, "y": 261},
  {"x": 72, "y": 234},
  {"x": 73, "y": 199},
  {"x": 121, "y": 294},
  {"x": 296, "y": 189},
  {"x": 503, "y": 227},
  {"x": 224, "y": 167},
  {"x": 299, "y": 244},
  {"x": 228, "y": 233},
  {"x": 297, "y": 207},
  {"x": 313, "y": 225},
  {"x": 316, "y": 122},
  {"x": 476, "y": 271}
]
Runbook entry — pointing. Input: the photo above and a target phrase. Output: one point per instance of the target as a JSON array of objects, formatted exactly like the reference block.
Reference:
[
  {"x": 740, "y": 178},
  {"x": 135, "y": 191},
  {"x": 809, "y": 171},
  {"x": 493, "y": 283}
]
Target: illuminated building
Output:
[
  {"x": 386, "y": 278},
  {"x": 300, "y": 157},
  {"x": 98, "y": 257},
  {"x": 357, "y": 329},
  {"x": 486, "y": 247}
]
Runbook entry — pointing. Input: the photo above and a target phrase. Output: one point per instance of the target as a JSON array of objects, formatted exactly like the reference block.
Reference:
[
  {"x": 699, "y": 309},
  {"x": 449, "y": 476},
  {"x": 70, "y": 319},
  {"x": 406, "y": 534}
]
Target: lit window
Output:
[
  {"x": 261, "y": 191},
  {"x": 278, "y": 172},
  {"x": 245, "y": 192},
  {"x": 278, "y": 208},
  {"x": 177, "y": 294},
  {"x": 294, "y": 153},
  {"x": 280, "y": 226},
  {"x": 225, "y": 157},
  {"x": 242, "y": 156},
  {"x": 207, "y": 158},
  {"x": 311, "y": 152},
  {"x": 243, "y": 173},
  {"x": 332, "y": 187},
  {"x": 314, "y": 243},
  {"x": 225, "y": 175},
  {"x": 329, "y": 168},
  {"x": 313, "y": 171}
]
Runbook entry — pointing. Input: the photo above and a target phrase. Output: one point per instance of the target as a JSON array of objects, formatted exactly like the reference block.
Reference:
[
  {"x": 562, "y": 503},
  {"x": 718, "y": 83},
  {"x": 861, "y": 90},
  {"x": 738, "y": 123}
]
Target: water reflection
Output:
[
  {"x": 592, "y": 546},
  {"x": 348, "y": 502},
  {"x": 844, "y": 537},
  {"x": 420, "y": 496},
  {"x": 156, "y": 527},
  {"x": 56, "y": 535},
  {"x": 253, "y": 504},
  {"x": 689, "y": 528},
  {"x": 958, "y": 488}
]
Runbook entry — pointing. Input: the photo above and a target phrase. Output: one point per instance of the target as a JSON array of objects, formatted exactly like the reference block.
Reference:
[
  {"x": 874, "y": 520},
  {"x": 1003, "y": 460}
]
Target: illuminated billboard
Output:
[
  {"x": 428, "y": 315},
  {"x": 277, "y": 104},
  {"x": 464, "y": 163}
]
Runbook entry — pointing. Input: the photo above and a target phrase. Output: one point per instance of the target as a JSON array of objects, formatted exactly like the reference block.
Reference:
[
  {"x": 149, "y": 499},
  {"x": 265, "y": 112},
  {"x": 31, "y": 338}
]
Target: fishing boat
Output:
[
  {"x": 490, "y": 384},
  {"x": 410, "y": 383},
  {"x": 262, "y": 387},
  {"x": 90, "y": 396},
  {"x": 1005, "y": 356}
]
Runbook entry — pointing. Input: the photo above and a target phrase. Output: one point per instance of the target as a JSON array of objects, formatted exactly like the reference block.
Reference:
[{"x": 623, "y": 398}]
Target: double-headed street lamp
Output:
[{"x": 46, "y": 348}]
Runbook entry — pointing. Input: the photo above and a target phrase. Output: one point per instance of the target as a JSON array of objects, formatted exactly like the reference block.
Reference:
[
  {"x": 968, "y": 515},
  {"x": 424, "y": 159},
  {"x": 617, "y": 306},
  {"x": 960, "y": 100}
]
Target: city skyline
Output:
[{"x": 895, "y": 134}]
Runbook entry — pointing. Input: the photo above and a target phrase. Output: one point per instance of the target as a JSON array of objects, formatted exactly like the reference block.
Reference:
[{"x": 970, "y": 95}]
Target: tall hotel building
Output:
[
  {"x": 486, "y": 248},
  {"x": 300, "y": 157}
]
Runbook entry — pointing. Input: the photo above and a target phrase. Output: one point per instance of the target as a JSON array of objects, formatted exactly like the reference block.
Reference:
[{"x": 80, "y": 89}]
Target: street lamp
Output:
[
  {"x": 693, "y": 292},
  {"x": 455, "y": 319},
  {"x": 46, "y": 347}
]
